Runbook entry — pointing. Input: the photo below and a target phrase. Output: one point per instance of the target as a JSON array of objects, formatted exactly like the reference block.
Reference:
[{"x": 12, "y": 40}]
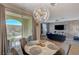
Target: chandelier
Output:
[{"x": 40, "y": 14}]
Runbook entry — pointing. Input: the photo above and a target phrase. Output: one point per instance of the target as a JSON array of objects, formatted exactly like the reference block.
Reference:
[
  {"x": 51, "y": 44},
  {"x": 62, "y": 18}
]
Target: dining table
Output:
[{"x": 41, "y": 48}]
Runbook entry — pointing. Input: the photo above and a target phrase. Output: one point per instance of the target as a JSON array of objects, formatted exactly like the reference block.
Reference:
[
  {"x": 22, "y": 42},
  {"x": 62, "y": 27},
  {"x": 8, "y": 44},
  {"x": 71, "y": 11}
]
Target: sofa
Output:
[
  {"x": 56, "y": 37},
  {"x": 76, "y": 38}
]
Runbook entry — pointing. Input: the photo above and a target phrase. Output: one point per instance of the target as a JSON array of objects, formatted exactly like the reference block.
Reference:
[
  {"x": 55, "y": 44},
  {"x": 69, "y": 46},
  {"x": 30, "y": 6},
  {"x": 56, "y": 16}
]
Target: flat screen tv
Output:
[{"x": 59, "y": 27}]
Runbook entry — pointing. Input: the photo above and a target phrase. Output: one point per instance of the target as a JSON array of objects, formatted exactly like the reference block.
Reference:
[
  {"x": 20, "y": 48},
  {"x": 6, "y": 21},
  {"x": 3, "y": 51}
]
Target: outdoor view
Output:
[{"x": 14, "y": 32}]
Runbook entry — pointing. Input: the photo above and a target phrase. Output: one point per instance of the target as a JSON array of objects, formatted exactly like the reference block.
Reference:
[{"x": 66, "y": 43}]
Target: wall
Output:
[
  {"x": 27, "y": 27},
  {"x": 52, "y": 29},
  {"x": 71, "y": 28}
]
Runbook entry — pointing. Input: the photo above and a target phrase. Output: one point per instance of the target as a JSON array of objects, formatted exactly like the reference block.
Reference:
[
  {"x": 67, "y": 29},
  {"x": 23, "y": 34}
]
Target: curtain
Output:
[{"x": 3, "y": 33}]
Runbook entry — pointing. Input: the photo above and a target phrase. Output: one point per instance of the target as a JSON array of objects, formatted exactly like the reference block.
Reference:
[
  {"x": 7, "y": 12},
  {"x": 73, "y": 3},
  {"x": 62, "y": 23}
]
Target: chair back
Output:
[
  {"x": 14, "y": 52},
  {"x": 69, "y": 49},
  {"x": 23, "y": 42},
  {"x": 60, "y": 52}
]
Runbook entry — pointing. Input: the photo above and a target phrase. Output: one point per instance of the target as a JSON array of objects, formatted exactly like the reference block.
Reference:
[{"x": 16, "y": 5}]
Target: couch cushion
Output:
[{"x": 56, "y": 37}]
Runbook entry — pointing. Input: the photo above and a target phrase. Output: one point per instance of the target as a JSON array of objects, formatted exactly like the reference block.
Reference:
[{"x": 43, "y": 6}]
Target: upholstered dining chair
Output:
[
  {"x": 23, "y": 43},
  {"x": 60, "y": 52},
  {"x": 14, "y": 52},
  {"x": 69, "y": 49}
]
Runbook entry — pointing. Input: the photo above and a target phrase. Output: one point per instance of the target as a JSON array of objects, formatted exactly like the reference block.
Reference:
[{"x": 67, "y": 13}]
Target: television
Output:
[{"x": 59, "y": 27}]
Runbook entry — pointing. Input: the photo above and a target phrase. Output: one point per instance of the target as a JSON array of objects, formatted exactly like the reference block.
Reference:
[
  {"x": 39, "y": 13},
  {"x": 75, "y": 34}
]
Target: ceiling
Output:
[{"x": 57, "y": 11}]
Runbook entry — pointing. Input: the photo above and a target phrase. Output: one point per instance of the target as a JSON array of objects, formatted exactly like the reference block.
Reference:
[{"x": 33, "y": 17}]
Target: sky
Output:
[{"x": 13, "y": 22}]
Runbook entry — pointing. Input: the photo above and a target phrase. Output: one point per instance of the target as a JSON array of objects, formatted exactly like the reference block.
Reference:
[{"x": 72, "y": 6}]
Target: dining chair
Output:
[
  {"x": 69, "y": 49},
  {"x": 60, "y": 52},
  {"x": 14, "y": 52},
  {"x": 23, "y": 43}
]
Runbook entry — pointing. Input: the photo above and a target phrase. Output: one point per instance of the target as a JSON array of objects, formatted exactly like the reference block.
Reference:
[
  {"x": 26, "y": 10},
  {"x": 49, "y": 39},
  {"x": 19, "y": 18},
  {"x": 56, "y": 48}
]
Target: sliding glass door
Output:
[
  {"x": 18, "y": 27},
  {"x": 14, "y": 30}
]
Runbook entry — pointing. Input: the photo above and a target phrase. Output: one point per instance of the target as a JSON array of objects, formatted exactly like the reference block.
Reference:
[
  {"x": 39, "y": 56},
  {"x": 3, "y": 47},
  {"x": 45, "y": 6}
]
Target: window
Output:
[{"x": 14, "y": 31}]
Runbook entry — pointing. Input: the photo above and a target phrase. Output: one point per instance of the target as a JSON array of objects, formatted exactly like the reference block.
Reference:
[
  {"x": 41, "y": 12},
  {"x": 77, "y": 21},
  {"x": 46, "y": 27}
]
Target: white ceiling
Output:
[{"x": 58, "y": 12}]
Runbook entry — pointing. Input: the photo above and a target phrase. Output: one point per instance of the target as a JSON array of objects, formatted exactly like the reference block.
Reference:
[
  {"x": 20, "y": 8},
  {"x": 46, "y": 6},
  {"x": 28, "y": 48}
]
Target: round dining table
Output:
[{"x": 42, "y": 48}]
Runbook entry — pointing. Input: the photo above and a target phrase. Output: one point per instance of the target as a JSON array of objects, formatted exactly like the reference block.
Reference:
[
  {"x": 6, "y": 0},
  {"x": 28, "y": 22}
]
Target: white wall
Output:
[
  {"x": 52, "y": 29},
  {"x": 27, "y": 27},
  {"x": 71, "y": 28}
]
